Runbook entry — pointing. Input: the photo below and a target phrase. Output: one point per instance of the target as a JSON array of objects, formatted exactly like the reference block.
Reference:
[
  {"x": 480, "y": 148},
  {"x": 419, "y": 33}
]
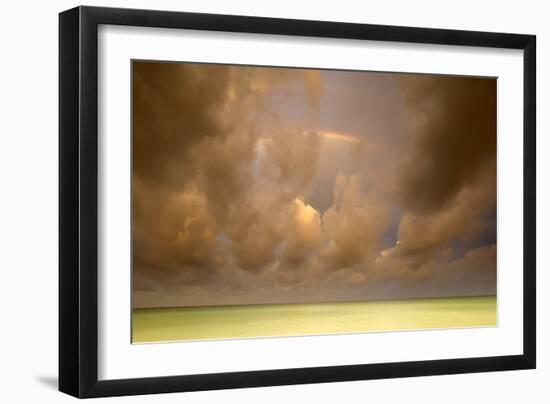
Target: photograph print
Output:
[{"x": 276, "y": 202}]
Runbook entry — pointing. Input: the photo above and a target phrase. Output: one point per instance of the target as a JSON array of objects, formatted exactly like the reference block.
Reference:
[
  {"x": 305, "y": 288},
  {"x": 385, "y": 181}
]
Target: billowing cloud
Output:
[
  {"x": 240, "y": 196},
  {"x": 450, "y": 139},
  {"x": 467, "y": 219},
  {"x": 175, "y": 106},
  {"x": 446, "y": 169},
  {"x": 353, "y": 224}
]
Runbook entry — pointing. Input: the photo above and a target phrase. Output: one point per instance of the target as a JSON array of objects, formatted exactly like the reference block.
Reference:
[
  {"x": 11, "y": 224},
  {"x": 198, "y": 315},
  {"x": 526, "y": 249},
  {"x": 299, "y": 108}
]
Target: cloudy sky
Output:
[{"x": 272, "y": 185}]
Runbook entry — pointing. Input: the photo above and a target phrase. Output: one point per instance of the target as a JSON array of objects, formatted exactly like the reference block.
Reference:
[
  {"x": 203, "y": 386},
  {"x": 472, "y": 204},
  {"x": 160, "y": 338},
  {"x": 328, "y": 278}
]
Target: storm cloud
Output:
[
  {"x": 253, "y": 185},
  {"x": 451, "y": 138}
]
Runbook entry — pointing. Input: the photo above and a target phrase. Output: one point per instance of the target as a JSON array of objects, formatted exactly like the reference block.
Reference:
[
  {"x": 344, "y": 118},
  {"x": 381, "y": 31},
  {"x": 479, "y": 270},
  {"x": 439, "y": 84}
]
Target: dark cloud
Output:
[
  {"x": 175, "y": 108},
  {"x": 238, "y": 197},
  {"x": 175, "y": 105},
  {"x": 196, "y": 208},
  {"x": 450, "y": 138},
  {"x": 445, "y": 167},
  {"x": 467, "y": 218}
]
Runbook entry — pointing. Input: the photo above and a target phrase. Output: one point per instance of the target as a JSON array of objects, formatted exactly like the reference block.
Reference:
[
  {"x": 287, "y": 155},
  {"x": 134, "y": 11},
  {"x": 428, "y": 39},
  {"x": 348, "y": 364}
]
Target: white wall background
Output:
[{"x": 28, "y": 211}]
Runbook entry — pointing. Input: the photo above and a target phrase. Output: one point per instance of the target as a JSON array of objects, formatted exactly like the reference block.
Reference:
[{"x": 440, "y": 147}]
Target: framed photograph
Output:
[{"x": 251, "y": 201}]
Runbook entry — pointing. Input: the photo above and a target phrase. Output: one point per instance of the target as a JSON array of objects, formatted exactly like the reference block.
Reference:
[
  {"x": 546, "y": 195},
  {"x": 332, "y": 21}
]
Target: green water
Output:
[{"x": 219, "y": 322}]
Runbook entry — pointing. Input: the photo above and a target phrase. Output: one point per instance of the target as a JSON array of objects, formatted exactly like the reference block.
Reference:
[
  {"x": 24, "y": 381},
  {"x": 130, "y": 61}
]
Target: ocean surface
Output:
[{"x": 273, "y": 320}]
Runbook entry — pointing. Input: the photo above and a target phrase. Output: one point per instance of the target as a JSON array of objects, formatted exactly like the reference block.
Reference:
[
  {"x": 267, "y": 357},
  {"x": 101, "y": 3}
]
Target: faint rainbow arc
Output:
[
  {"x": 344, "y": 137},
  {"x": 325, "y": 134}
]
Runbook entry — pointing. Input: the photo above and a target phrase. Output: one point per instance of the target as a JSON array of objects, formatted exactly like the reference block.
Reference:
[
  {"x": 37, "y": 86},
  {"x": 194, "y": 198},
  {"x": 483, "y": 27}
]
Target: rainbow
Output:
[
  {"x": 325, "y": 134},
  {"x": 344, "y": 137}
]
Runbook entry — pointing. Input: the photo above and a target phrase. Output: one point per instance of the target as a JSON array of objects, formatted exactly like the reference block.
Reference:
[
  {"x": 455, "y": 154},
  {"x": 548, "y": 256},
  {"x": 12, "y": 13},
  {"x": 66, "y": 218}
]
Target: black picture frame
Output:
[{"x": 78, "y": 201}]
